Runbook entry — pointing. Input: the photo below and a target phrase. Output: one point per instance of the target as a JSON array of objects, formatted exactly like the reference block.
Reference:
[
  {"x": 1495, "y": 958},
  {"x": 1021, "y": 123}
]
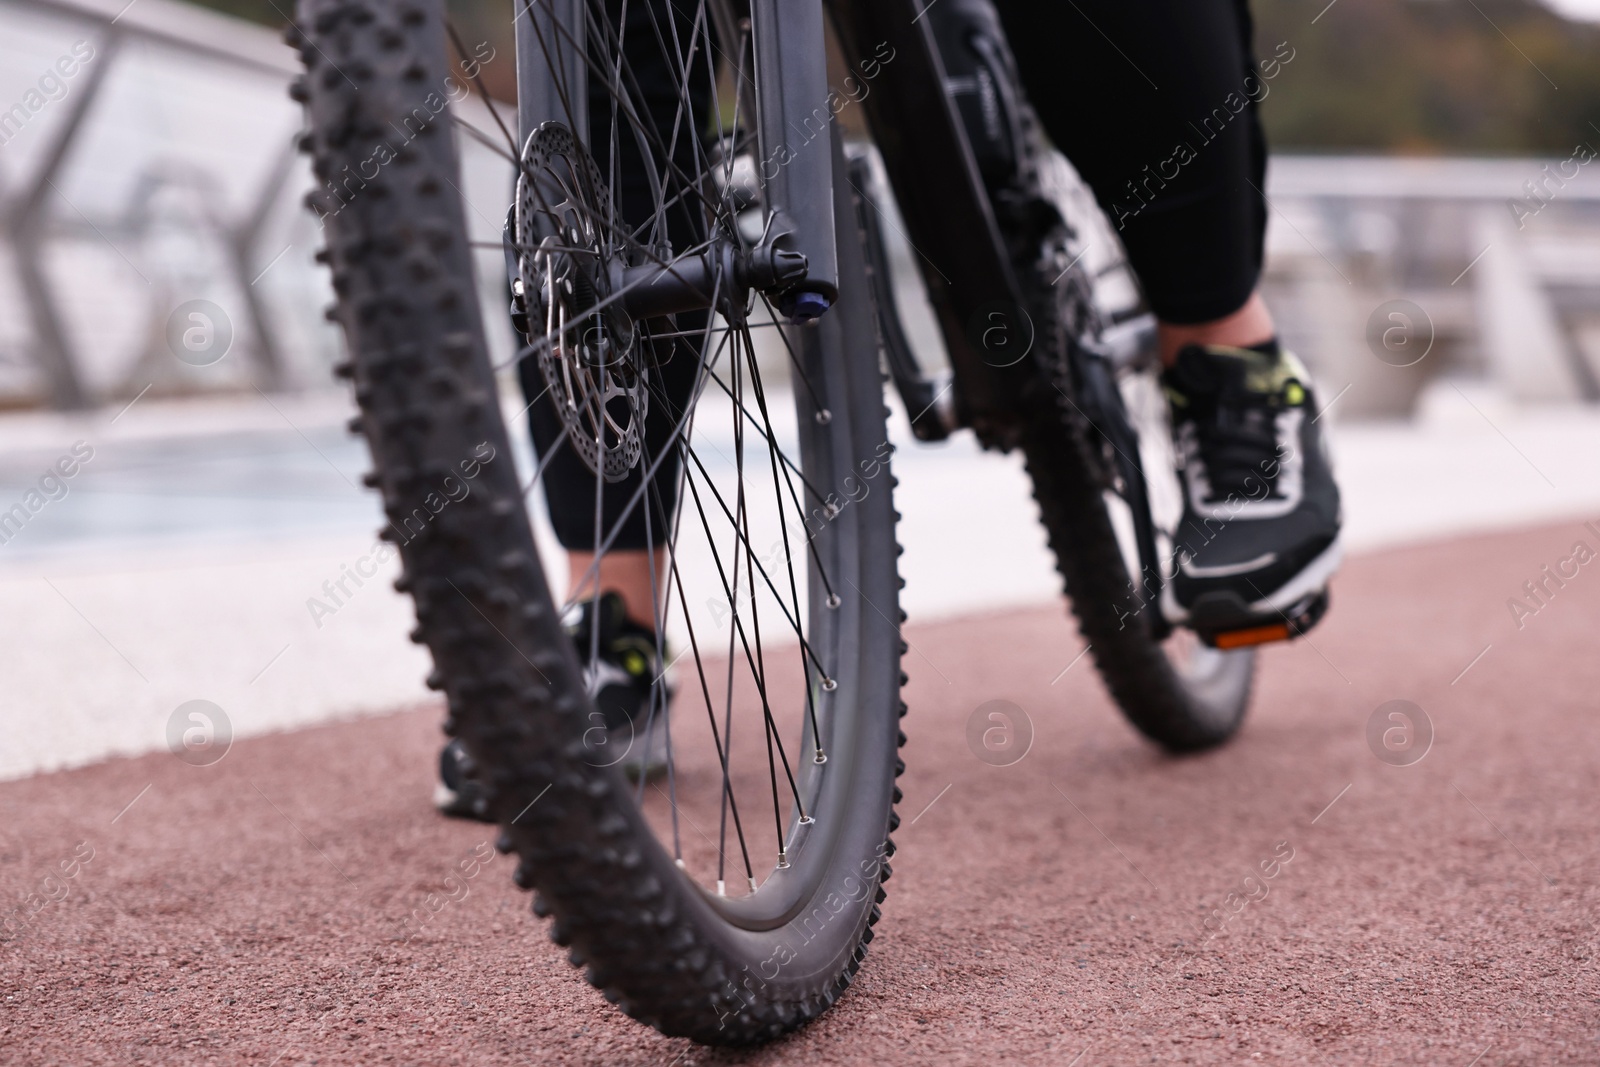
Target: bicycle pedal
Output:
[{"x": 1248, "y": 633}]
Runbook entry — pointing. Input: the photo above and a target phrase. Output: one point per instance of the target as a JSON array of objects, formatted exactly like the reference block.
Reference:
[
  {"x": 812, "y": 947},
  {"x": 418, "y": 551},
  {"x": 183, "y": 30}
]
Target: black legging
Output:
[
  {"x": 1153, "y": 101},
  {"x": 569, "y": 485}
]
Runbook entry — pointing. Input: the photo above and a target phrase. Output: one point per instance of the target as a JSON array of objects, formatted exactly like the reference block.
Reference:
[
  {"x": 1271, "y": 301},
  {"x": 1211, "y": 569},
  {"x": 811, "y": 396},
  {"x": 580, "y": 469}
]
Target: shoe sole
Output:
[{"x": 1291, "y": 610}]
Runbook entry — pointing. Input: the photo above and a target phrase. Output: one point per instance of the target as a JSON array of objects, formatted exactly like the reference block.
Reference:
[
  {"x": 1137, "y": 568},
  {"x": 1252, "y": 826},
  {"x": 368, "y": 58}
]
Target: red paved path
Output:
[{"x": 248, "y": 913}]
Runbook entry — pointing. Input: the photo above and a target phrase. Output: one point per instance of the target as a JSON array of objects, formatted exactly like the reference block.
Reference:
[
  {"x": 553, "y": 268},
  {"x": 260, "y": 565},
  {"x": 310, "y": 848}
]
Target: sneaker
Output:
[
  {"x": 1259, "y": 538},
  {"x": 621, "y": 681},
  {"x": 457, "y": 794}
]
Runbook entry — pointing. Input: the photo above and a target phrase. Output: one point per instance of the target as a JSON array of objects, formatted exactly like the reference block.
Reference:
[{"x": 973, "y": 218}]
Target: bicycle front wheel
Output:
[{"x": 731, "y": 900}]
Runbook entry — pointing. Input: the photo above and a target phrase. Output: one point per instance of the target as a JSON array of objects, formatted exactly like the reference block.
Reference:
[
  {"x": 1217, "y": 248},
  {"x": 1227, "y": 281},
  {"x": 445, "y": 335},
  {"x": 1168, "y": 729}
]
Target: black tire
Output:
[
  {"x": 1087, "y": 453},
  {"x": 1090, "y": 450},
  {"x": 661, "y": 947}
]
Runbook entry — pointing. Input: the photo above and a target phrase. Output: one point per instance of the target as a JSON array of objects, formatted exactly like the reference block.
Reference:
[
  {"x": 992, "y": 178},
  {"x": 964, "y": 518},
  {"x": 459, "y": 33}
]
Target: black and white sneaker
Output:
[
  {"x": 1259, "y": 538},
  {"x": 458, "y": 793},
  {"x": 620, "y": 680}
]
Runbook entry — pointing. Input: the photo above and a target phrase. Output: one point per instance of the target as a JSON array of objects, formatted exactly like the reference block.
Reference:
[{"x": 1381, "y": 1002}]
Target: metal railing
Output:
[{"x": 151, "y": 207}]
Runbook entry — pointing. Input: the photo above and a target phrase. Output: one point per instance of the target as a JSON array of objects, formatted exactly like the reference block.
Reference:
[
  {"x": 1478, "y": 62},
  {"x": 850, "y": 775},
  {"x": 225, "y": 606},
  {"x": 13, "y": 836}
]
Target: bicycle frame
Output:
[
  {"x": 931, "y": 166},
  {"x": 951, "y": 225}
]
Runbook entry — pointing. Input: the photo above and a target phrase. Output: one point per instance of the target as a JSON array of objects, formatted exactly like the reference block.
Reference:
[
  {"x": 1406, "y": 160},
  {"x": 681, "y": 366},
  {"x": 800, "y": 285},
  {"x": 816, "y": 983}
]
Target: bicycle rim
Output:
[{"x": 731, "y": 899}]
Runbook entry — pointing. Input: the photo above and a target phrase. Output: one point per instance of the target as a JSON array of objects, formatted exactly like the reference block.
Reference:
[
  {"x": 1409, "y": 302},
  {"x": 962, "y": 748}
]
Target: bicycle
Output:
[{"x": 799, "y": 526}]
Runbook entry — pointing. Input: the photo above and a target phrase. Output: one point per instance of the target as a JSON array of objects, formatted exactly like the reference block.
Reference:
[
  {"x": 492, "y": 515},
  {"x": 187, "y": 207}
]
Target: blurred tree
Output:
[
  {"x": 1420, "y": 76},
  {"x": 1423, "y": 76}
]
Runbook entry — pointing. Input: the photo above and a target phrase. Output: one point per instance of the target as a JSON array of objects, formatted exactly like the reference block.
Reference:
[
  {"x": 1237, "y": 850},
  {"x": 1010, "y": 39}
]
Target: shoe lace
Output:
[{"x": 1239, "y": 443}]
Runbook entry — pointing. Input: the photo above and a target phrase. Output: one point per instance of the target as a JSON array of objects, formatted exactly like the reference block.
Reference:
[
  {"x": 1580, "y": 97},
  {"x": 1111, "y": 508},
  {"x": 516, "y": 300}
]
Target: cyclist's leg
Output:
[
  {"x": 635, "y": 557},
  {"x": 626, "y": 566},
  {"x": 1155, "y": 102},
  {"x": 1251, "y": 326}
]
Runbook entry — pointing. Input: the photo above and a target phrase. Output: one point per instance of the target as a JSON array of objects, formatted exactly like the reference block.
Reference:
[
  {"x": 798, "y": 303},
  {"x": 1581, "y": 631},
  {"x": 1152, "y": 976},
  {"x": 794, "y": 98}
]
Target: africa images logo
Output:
[
  {"x": 199, "y": 733},
  {"x": 52, "y": 485}
]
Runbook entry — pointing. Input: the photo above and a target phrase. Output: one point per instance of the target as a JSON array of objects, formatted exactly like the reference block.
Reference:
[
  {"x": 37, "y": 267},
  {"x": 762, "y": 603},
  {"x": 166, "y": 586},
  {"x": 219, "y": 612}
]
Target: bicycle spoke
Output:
[
  {"x": 758, "y": 668},
  {"x": 788, "y": 557},
  {"x": 727, "y": 799},
  {"x": 631, "y": 151},
  {"x": 794, "y": 361},
  {"x": 709, "y": 501},
  {"x": 648, "y": 476},
  {"x": 645, "y": 129},
  {"x": 731, "y": 593},
  {"x": 793, "y": 621},
  {"x": 789, "y": 464}
]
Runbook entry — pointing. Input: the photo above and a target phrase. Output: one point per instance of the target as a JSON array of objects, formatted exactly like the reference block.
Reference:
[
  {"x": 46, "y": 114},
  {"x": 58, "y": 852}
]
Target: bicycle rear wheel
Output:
[
  {"x": 734, "y": 900},
  {"x": 1098, "y": 449}
]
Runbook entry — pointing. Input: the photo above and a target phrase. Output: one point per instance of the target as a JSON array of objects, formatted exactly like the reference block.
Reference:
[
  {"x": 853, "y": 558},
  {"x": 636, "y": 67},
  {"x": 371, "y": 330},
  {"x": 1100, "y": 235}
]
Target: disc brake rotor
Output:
[{"x": 567, "y": 237}]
